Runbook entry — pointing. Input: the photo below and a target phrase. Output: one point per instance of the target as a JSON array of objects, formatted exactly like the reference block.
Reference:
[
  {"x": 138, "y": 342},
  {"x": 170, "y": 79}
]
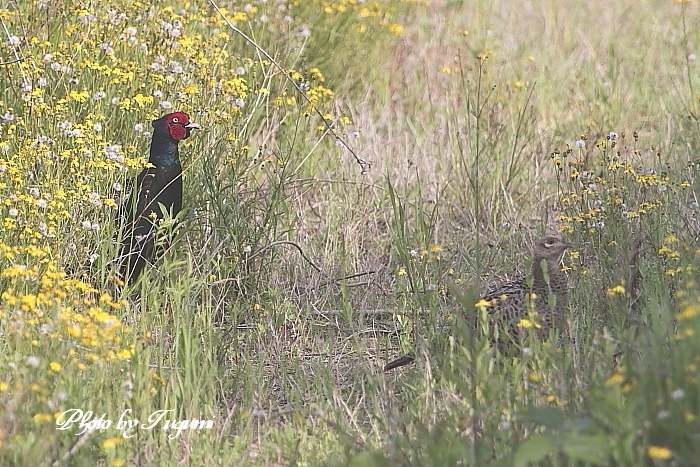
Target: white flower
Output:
[
  {"x": 663, "y": 415},
  {"x": 678, "y": 394},
  {"x": 32, "y": 361},
  {"x": 99, "y": 95},
  {"x": 13, "y": 212},
  {"x": 42, "y": 203},
  {"x": 97, "y": 127},
  {"x": 527, "y": 352},
  {"x": 95, "y": 199},
  {"x": 580, "y": 143},
  {"x": 86, "y": 224},
  {"x": 258, "y": 413},
  {"x": 138, "y": 128},
  {"x": 113, "y": 153},
  {"x": 165, "y": 105},
  {"x": 613, "y": 136}
]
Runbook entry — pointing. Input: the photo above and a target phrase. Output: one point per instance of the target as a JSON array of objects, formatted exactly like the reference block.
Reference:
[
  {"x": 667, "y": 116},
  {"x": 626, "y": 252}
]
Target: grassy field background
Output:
[{"x": 298, "y": 272}]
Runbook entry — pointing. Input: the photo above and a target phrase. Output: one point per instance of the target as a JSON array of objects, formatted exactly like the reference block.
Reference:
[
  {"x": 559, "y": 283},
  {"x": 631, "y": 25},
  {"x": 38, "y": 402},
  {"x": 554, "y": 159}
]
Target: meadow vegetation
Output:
[{"x": 324, "y": 236}]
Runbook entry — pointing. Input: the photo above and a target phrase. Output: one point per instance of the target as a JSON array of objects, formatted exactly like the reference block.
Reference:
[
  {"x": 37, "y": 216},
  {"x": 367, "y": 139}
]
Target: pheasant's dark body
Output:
[
  {"x": 158, "y": 189},
  {"x": 541, "y": 298}
]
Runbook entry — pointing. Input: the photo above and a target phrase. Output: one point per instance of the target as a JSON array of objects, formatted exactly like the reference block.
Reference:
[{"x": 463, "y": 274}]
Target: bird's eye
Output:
[
  {"x": 548, "y": 244},
  {"x": 175, "y": 120}
]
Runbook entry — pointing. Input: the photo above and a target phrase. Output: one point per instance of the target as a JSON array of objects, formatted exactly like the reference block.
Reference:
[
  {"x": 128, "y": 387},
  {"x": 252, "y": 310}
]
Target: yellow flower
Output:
[
  {"x": 110, "y": 443},
  {"x": 617, "y": 290},
  {"x": 55, "y": 366},
  {"x": 396, "y": 30},
  {"x": 658, "y": 452},
  {"x": 526, "y": 323},
  {"x": 42, "y": 418},
  {"x": 141, "y": 100},
  {"x": 481, "y": 304},
  {"x": 191, "y": 89},
  {"x": 614, "y": 380}
]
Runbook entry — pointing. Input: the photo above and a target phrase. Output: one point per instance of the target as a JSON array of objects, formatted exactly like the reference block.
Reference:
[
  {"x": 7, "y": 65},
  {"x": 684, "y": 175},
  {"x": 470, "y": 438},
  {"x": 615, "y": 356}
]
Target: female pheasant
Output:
[
  {"x": 545, "y": 293},
  {"x": 159, "y": 184}
]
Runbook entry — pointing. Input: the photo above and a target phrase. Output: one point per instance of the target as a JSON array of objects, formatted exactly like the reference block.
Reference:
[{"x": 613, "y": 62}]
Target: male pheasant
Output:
[
  {"x": 159, "y": 184},
  {"x": 513, "y": 301}
]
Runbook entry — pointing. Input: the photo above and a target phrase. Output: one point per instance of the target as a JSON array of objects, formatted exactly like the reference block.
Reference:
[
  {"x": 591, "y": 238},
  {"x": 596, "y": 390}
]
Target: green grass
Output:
[{"x": 294, "y": 277}]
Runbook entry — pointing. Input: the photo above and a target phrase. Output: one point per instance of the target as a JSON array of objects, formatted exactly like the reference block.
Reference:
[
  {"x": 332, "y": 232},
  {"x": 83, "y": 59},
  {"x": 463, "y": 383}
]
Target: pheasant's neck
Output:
[
  {"x": 552, "y": 266},
  {"x": 164, "y": 154}
]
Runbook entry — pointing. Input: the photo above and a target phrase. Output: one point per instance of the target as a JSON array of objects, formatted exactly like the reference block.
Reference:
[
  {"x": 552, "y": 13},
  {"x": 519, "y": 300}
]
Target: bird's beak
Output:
[
  {"x": 193, "y": 126},
  {"x": 568, "y": 244}
]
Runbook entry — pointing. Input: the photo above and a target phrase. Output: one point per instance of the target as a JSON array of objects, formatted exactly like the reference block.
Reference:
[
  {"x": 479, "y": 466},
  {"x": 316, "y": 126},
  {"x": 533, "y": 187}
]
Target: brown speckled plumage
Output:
[{"x": 542, "y": 297}]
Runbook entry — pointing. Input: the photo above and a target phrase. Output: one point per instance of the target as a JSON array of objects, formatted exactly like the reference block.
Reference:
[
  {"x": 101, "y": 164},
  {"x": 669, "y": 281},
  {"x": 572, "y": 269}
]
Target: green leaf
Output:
[
  {"x": 533, "y": 450},
  {"x": 591, "y": 449},
  {"x": 369, "y": 459},
  {"x": 550, "y": 417}
]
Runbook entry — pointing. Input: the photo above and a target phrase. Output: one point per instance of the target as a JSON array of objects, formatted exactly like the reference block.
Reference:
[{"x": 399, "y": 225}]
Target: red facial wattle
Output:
[
  {"x": 177, "y": 131},
  {"x": 178, "y": 125}
]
